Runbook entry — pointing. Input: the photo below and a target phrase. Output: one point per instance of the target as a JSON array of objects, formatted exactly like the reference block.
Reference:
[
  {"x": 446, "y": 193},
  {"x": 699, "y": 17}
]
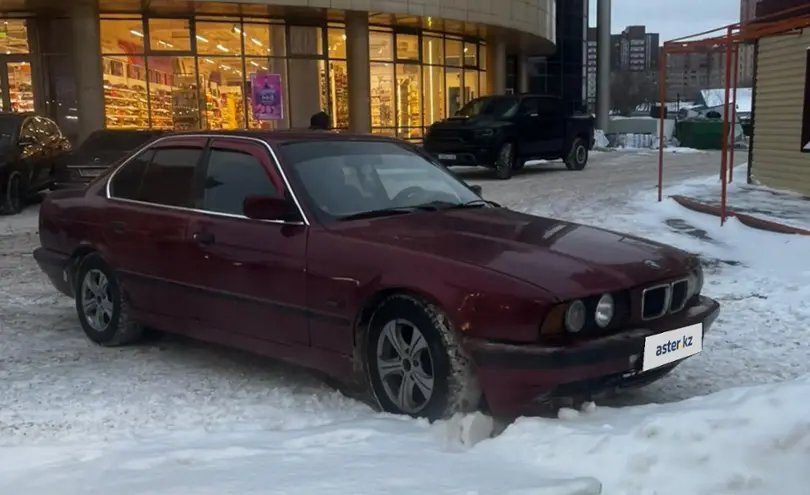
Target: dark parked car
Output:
[
  {"x": 360, "y": 257},
  {"x": 101, "y": 149},
  {"x": 504, "y": 132},
  {"x": 29, "y": 146}
]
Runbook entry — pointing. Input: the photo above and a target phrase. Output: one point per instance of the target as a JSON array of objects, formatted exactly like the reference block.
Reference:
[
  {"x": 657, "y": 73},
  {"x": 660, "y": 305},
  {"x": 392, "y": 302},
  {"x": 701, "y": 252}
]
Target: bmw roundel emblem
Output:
[{"x": 652, "y": 264}]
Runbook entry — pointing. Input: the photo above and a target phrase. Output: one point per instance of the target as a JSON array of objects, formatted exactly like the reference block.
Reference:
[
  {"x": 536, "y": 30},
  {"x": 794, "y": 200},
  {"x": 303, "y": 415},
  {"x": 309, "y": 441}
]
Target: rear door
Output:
[
  {"x": 147, "y": 226},
  {"x": 529, "y": 127},
  {"x": 252, "y": 272},
  {"x": 553, "y": 123}
]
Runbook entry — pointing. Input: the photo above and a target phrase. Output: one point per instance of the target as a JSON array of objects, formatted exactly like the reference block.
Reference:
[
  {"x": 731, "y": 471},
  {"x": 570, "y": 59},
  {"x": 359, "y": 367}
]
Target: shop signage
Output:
[
  {"x": 805, "y": 144},
  {"x": 267, "y": 96}
]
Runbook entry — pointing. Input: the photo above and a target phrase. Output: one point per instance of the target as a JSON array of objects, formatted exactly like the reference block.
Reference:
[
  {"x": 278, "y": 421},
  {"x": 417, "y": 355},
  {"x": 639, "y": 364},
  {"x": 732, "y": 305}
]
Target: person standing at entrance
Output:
[{"x": 319, "y": 121}]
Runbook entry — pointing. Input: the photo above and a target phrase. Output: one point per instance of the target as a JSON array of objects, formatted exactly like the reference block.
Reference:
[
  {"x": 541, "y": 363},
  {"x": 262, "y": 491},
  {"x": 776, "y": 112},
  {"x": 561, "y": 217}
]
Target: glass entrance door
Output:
[{"x": 16, "y": 85}]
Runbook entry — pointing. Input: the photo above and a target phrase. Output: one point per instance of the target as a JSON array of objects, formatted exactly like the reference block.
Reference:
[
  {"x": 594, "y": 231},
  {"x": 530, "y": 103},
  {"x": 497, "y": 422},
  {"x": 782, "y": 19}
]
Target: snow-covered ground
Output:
[{"x": 178, "y": 417}]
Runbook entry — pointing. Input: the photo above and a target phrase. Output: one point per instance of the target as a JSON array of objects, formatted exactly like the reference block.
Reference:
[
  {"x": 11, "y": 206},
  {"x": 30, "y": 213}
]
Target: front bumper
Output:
[
  {"x": 521, "y": 379},
  {"x": 57, "y": 267},
  {"x": 457, "y": 154}
]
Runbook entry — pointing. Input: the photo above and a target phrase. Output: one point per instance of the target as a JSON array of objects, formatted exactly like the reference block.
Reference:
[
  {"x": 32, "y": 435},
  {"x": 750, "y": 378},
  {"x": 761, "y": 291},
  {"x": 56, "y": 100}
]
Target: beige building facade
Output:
[
  {"x": 780, "y": 148},
  {"x": 385, "y": 66}
]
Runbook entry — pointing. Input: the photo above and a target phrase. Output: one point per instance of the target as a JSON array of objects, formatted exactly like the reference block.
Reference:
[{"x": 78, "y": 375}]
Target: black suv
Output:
[
  {"x": 29, "y": 146},
  {"x": 504, "y": 132},
  {"x": 101, "y": 150}
]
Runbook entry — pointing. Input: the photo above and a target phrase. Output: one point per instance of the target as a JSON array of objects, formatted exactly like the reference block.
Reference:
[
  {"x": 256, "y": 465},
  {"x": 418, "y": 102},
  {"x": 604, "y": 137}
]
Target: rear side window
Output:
[
  {"x": 231, "y": 177},
  {"x": 127, "y": 181},
  {"x": 169, "y": 178}
]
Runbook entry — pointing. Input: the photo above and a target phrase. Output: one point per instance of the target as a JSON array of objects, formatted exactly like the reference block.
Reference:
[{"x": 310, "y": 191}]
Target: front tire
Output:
[
  {"x": 505, "y": 163},
  {"x": 103, "y": 311},
  {"x": 578, "y": 155},
  {"x": 13, "y": 195},
  {"x": 415, "y": 363}
]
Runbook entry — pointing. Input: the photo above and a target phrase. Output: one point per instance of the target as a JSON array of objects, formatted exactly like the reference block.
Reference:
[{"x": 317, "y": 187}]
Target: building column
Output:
[
  {"x": 359, "y": 72},
  {"x": 496, "y": 66},
  {"x": 87, "y": 67},
  {"x": 523, "y": 73},
  {"x": 603, "y": 64}
]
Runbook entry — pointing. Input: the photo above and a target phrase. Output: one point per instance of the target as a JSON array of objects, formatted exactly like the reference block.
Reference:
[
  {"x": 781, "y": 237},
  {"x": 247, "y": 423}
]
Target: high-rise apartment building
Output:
[
  {"x": 633, "y": 50},
  {"x": 689, "y": 73}
]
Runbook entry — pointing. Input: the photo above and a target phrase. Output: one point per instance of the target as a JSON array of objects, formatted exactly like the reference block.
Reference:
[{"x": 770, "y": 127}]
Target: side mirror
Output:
[
  {"x": 477, "y": 189},
  {"x": 265, "y": 207}
]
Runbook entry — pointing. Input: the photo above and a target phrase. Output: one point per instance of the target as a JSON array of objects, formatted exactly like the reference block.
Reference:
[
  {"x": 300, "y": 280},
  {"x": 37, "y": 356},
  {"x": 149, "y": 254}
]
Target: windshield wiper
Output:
[{"x": 384, "y": 212}]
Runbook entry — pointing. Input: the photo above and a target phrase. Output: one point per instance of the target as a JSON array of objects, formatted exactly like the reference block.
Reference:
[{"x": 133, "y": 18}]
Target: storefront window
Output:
[
  {"x": 169, "y": 35},
  {"x": 408, "y": 47},
  {"x": 381, "y": 46},
  {"x": 122, "y": 36},
  {"x": 177, "y": 74},
  {"x": 219, "y": 38},
  {"x": 382, "y": 97},
  {"x": 409, "y": 110},
  {"x": 221, "y": 86},
  {"x": 14, "y": 37},
  {"x": 173, "y": 87},
  {"x": 264, "y": 40},
  {"x": 454, "y": 97}
]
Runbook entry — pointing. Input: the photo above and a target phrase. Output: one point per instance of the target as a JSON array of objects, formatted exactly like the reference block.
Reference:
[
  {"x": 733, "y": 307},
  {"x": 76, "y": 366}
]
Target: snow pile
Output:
[
  {"x": 600, "y": 140},
  {"x": 634, "y": 142},
  {"x": 745, "y": 440}
]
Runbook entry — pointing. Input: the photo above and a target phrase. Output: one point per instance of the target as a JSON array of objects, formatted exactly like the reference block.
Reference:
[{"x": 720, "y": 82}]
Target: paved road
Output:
[{"x": 609, "y": 179}]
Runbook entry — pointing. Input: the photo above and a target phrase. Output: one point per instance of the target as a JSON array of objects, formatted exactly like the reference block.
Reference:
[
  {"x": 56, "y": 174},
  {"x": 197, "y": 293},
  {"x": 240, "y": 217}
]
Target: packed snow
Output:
[{"x": 177, "y": 417}]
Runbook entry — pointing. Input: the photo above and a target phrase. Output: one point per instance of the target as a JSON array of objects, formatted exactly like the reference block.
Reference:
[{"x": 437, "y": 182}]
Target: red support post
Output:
[
  {"x": 724, "y": 159},
  {"x": 662, "y": 96},
  {"x": 734, "y": 112}
]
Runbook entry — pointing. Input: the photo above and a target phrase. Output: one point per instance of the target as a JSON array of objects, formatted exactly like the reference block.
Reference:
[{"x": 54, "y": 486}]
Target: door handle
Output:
[
  {"x": 118, "y": 227},
  {"x": 203, "y": 237}
]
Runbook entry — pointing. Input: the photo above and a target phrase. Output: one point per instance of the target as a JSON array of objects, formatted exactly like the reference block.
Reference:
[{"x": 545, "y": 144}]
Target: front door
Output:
[
  {"x": 252, "y": 272},
  {"x": 16, "y": 84}
]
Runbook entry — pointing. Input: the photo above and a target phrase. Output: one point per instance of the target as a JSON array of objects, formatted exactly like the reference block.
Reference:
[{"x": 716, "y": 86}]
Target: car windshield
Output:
[
  {"x": 496, "y": 106},
  {"x": 8, "y": 129},
  {"x": 353, "y": 178}
]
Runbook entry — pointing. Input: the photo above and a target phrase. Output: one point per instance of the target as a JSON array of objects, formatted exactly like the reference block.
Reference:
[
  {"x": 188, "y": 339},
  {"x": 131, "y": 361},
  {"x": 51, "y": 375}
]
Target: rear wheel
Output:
[
  {"x": 415, "y": 363},
  {"x": 102, "y": 309},
  {"x": 578, "y": 155},
  {"x": 505, "y": 163},
  {"x": 13, "y": 197}
]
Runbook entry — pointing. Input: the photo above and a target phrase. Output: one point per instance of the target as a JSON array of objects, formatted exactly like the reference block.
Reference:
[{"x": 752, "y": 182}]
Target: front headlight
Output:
[
  {"x": 604, "y": 311},
  {"x": 575, "y": 316},
  {"x": 695, "y": 283}
]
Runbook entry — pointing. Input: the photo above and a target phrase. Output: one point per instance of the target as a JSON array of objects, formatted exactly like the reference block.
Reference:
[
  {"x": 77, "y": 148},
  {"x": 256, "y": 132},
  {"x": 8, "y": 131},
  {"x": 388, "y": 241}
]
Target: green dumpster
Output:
[{"x": 701, "y": 134}]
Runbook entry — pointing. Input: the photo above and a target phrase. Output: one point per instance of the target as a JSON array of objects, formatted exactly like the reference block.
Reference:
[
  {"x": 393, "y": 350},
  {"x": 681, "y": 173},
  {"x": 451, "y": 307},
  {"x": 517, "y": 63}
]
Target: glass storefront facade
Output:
[
  {"x": 195, "y": 73},
  {"x": 16, "y": 84}
]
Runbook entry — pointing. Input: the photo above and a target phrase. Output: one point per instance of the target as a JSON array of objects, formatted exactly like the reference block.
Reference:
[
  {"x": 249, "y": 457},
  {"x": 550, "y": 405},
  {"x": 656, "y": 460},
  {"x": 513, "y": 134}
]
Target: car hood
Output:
[{"x": 566, "y": 259}]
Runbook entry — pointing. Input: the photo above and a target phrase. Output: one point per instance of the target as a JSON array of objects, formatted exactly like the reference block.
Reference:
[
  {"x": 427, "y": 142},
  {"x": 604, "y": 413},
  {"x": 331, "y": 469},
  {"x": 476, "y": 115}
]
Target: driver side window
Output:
[{"x": 529, "y": 107}]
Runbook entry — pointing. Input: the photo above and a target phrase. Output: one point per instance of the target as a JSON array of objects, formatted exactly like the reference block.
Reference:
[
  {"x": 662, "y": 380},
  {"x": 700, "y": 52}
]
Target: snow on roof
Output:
[{"x": 716, "y": 97}]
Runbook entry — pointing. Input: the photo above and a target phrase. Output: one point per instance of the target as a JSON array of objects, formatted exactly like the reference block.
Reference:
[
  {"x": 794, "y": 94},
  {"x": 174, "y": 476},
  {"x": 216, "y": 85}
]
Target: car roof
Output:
[{"x": 290, "y": 135}]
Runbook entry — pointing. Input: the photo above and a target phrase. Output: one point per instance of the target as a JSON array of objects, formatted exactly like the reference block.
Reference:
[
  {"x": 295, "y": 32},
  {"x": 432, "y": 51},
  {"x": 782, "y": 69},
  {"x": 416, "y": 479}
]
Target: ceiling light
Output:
[
  {"x": 136, "y": 33},
  {"x": 254, "y": 64},
  {"x": 222, "y": 48},
  {"x": 256, "y": 42},
  {"x": 204, "y": 40}
]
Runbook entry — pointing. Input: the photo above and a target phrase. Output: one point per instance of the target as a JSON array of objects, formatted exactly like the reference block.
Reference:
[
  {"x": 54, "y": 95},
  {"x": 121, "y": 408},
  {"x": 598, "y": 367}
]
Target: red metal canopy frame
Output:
[{"x": 730, "y": 37}]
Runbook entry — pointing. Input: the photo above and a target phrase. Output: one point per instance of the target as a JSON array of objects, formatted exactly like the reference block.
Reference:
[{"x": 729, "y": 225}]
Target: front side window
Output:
[
  {"x": 231, "y": 177},
  {"x": 346, "y": 178}
]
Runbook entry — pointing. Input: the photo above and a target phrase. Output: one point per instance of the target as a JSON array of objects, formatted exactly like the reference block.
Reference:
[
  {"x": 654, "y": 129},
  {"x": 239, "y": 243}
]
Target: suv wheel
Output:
[
  {"x": 13, "y": 197},
  {"x": 415, "y": 363},
  {"x": 578, "y": 155},
  {"x": 505, "y": 164},
  {"x": 102, "y": 309}
]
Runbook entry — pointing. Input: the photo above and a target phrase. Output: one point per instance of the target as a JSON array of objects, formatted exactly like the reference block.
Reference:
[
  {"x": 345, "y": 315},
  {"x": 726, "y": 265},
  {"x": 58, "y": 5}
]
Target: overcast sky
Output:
[{"x": 671, "y": 18}]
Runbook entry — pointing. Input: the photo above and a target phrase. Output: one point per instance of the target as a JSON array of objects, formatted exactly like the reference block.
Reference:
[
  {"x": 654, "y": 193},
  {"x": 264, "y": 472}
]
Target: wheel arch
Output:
[{"x": 76, "y": 257}]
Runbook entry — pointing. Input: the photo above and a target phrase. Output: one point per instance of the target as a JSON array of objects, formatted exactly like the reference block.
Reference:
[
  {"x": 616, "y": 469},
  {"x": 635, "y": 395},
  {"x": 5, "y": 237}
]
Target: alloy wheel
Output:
[
  {"x": 405, "y": 366},
  {"x": 581, "y": 154},
  {"x": 96, "y": 300}
]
